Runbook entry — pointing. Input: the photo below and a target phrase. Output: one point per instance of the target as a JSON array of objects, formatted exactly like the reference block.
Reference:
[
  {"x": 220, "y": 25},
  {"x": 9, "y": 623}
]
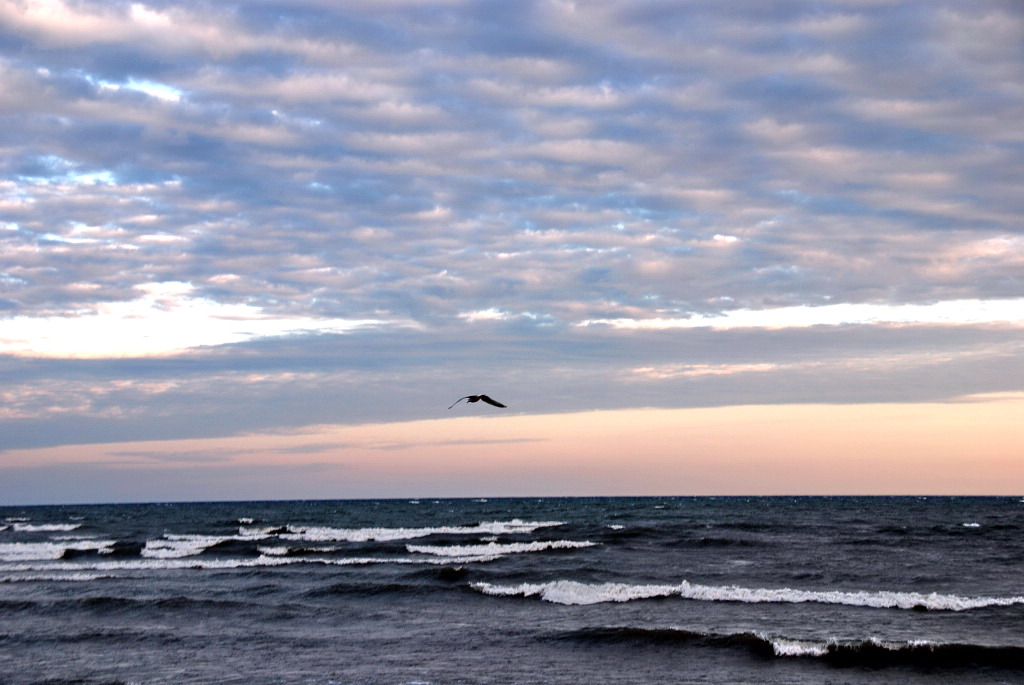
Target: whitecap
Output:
[
  {"x": 32, "y": 551},
  {"x": 789, "y": 647},
  {"x": 324, "y": 534},
  {"x": 152, "y": 564},
  {"x": 173, "y": 546},
  {"x": 494, "y": 548},
  {"x": 572, "y": 592},
  {"x": 172, "y": 564},
  {"x": 273, "y": 551},
  {"x": 174, "y": 549},
  {"x": 55, "y": 577},
  {"x": 45, "y": 527},
  {"x": 61, "y": 538},
  {"x": 257, "y": 532}
]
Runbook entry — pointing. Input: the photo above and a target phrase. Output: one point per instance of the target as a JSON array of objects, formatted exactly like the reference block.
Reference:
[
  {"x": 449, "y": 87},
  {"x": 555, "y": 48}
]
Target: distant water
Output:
[{"x": 622, "y": 590}]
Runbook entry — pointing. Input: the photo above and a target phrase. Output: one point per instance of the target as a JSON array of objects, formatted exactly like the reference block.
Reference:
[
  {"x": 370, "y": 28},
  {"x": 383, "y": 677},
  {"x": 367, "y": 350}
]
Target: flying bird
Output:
[{"x": 477, "y": 398}]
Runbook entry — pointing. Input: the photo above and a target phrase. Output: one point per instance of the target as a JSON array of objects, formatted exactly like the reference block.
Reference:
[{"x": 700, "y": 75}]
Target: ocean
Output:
[{"x": 515, "y": 591}]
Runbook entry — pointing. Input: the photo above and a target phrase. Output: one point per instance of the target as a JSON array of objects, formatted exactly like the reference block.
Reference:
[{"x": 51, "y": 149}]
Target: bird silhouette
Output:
[{"x": 477, "y": 398}]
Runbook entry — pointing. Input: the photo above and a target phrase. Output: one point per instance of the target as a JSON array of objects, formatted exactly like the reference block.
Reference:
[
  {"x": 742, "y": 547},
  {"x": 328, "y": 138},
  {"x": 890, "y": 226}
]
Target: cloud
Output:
[
  {"x": 452, "y": 443},
  {"x": 165, "y": 319},
  {"x": 339, "y": 213},
  {"x": 950, "y": 312},
  {"x": 192, "y": 456}
]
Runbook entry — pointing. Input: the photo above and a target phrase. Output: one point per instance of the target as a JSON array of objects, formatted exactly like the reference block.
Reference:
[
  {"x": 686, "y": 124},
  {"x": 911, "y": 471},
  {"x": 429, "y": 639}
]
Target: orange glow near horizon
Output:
[{"x": 968, "y": 447}]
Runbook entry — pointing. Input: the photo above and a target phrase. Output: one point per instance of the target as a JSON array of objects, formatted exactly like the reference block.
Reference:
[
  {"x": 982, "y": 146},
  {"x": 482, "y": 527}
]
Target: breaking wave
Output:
[
  {"x": 324, "y": 534},
  {"x": 496, "y": 549},
  {"x": 214, "y": 563},
  {"x": 55, "y": 577},
  {"x": 177, "y": 546},
  {"x": 871, "y": 652},
  {"x": 572, "y": 592},
  {"x": 45, "y": 527},
  {"x": 34, "y": 551}
]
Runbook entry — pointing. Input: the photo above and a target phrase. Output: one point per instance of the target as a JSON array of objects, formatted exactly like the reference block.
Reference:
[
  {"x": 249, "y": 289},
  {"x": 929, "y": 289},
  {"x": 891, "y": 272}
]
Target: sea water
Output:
[{"x": 553, "y": 590}]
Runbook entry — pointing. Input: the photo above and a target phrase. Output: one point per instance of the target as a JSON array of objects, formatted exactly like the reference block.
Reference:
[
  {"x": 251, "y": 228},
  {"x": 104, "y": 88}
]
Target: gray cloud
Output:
[
  {"x": 377, "y": 377},
  {"x": 496, "y": 175}
]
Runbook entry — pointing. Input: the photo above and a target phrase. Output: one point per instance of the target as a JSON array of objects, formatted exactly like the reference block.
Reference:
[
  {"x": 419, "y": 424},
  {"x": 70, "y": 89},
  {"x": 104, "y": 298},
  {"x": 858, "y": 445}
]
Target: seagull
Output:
[{"x": 477, "y": 398}]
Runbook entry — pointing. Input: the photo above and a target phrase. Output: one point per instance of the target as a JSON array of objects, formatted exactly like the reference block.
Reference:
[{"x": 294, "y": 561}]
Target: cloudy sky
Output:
[{"x": 255, "y": 249}]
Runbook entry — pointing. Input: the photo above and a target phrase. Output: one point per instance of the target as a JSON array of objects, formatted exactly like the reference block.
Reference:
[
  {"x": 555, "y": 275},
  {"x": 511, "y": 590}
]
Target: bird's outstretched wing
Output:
[
  {"x": 488, "y": 400},
  {"x": 459, "y": 400}
]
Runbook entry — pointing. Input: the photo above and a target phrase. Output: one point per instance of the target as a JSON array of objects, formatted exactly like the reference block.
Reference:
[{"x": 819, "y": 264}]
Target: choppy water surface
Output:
[{"x": 621, "y": 590}]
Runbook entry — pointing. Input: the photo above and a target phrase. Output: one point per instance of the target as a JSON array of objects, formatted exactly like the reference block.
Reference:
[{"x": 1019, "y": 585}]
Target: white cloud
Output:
[
  {"x": 600, "y": 96},
  {"x": 491, "y": 314},
  {"x": 176, "y": 30},
  {"x": 954, "y": 312},
  {"x": 160, "y": 91},
  {"x": 594, "y": 151},
  {"x": 168, "y": 318}
]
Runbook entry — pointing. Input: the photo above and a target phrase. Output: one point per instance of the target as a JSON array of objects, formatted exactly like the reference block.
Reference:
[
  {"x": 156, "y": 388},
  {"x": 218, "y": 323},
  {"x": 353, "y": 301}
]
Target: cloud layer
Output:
[{"x": 350, "y": 212}]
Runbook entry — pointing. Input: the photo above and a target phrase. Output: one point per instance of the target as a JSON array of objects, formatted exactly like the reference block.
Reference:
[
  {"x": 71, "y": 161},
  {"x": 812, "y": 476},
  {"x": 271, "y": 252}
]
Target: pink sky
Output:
[{"x": 967, "y": 447}]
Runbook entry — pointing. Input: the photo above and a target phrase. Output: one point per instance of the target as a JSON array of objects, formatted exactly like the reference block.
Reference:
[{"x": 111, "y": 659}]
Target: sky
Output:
[{"x": 253, "y": 250}]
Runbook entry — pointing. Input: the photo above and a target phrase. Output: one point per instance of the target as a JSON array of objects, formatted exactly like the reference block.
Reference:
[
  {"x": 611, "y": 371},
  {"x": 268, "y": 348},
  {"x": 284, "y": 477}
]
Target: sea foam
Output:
[
  {"x": 871, "y": 652},
  {"x": 55, "y": 578},
  {"x": 45, "y": 527},
  {"x": 177, "y": 546},
  {"x": 789, "y": 647},
  {"x": 496, "y": 549},
  {"x": 210, "y": 563},
  {"x": 572, "y": 592},
  {"x": 32, "y": 551},
  {"x": 324, "y": 534}
]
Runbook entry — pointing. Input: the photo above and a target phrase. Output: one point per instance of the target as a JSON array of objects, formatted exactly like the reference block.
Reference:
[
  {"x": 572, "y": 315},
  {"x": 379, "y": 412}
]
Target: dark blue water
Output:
[{"x": 623, "y": 590}]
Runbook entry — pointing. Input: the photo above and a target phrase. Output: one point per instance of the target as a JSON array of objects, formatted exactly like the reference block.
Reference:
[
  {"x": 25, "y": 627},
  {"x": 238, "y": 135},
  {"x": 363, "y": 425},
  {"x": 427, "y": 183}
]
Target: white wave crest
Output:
[
  {"x": 572, "y": 592},
  {"x": 201, "y": 563},
  {"x": 151, "y": 564},
  {"x": 787, "y": 647},
  {"x": 494, "y": 548},
  {"x": 56, "y": 577},
  {"x": 32, "y": 551},
  {"x": 783, "y": 646},
  {"x": 180, "y": 547},
  {"x": 257, "y": 531},
  {"x": 323, "y": 534},
  {"x": 273, "y": 551},
  {"x": 45, "y": 527},
  {"x": 177, "y": 546}
]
